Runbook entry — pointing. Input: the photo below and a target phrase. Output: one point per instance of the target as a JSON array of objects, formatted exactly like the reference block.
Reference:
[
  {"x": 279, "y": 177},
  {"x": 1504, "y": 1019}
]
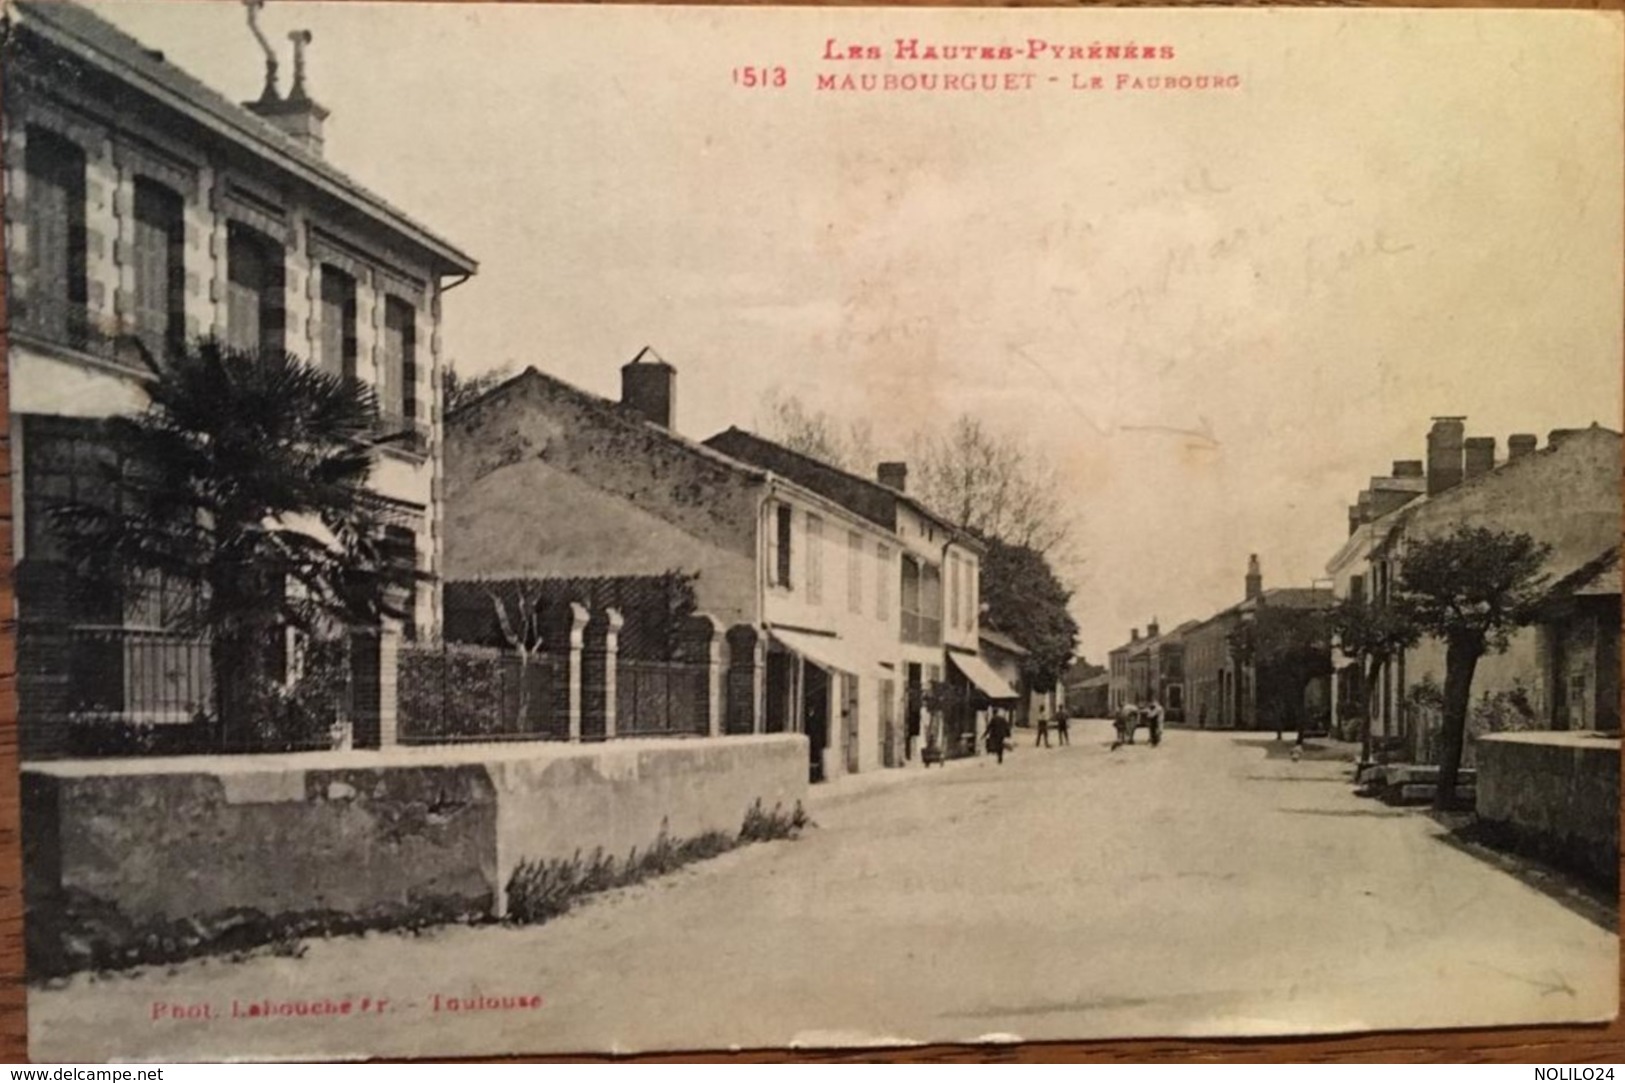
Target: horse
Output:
[{"x": 1126, "y": 722}]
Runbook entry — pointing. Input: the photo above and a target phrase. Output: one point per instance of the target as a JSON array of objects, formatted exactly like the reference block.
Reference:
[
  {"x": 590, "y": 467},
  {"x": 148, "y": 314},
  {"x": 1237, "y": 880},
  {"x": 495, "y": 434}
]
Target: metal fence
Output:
[
  {"x": 450, "y": 693},
  {"x": 135, "y": 676},
  {"x": 661, "y": 698}
]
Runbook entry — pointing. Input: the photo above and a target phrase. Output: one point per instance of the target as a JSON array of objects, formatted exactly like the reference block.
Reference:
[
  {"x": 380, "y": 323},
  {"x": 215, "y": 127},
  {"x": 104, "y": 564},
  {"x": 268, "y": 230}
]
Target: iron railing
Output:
[
  {"x": 454, "y": 693},
  {"x": 661, "y": 698}
]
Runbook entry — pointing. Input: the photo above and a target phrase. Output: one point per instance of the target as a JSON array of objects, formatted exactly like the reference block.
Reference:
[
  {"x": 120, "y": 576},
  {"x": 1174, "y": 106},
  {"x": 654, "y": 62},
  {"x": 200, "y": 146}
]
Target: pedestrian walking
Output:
[
  {"x": 1043, "y": 729},
  {"x": 1063, "y": 726},
  {"x": 1154, "y": 714},
  {"x": 998, "y": 734}
]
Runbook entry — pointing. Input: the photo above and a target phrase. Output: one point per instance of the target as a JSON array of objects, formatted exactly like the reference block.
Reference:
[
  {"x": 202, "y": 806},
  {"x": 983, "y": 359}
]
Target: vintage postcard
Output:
[{"x": 549, "y": 529}]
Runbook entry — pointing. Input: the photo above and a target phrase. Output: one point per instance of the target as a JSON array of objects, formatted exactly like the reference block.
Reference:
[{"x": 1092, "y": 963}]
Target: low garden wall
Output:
[
  {"x": 1555, "y": 795},
  {"x": 171, "y": 848}
]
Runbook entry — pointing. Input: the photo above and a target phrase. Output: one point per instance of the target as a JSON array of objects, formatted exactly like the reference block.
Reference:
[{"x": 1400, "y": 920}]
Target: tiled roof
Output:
[
  {"x": 740, "y": 442},
  {"x": 100, "y": 43}
]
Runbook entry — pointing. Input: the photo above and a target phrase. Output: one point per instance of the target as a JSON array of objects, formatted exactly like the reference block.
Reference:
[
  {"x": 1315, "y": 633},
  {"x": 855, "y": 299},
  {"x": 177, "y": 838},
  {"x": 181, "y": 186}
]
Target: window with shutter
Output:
[
  {"x": 854, "y": 571},
  {"x": 254, "y": 291},
  {"x": 160, "y": 275},
  {"x": 883, "y": 582},
  {"x": 55, "y": 215},
  {"x": 397, "y": 376},
  {"x": 338, "y": 322},
  {"x": 783, "y": 558},
  {"x": 815, "y": 559}
]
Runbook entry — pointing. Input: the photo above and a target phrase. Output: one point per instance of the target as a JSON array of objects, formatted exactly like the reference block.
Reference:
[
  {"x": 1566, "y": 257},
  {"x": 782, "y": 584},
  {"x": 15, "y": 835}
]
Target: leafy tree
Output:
[
  {"x": 458, "y": 391},
  {"x": 242, "y": 485},
  {"x": 1372, "y": 633},
  {"x": 1024, "y": 599},
  {"x": 1284, "y": 649},
  {"x": 1471, "y": 588}
]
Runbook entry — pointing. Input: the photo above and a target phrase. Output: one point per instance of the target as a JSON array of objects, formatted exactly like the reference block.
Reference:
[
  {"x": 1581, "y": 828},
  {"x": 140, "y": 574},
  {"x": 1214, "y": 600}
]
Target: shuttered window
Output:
[
  {"x": 854, "y": 571},
  {"x": 254, "y": 291},
  {"x": 338, "y": 323},
  {"x": 883, "y": 582},
  {"x": 55, "y": 214},
  {"x": 397, "y": 377},
  {"x": 160, "y": 274},
  {"x": 815, "y": 560}
]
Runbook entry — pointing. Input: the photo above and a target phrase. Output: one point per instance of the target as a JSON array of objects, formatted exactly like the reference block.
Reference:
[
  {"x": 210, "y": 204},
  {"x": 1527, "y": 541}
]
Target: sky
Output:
[{"x": 1218, "y": 312}]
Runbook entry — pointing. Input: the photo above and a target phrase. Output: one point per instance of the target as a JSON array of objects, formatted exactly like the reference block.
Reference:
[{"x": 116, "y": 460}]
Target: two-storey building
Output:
[
  {"x": 944, "y": 683},
  {"x": 144, "y": 209}
]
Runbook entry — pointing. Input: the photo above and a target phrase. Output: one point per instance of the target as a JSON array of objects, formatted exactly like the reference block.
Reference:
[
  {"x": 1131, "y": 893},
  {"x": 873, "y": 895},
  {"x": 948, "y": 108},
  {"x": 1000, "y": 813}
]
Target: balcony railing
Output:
[{"x": 922, "y": 630}]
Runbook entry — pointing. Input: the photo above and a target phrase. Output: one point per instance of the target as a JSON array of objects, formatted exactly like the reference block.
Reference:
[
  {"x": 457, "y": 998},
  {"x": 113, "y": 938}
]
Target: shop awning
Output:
[
  {"x": 979, "y": 673},
  {"x": 829, "y": 652}
]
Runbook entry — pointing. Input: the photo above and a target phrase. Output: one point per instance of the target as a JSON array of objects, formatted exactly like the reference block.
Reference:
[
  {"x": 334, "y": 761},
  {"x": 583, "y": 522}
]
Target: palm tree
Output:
[{"x": 243, "y": 485}]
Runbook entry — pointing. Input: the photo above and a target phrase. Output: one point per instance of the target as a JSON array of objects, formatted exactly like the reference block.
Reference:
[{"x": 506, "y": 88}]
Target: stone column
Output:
[
  {"x": 565, "y": 637},
  {"x": 747, "y": 679},
  {"x": 598, "y": 664},
  {"x": 701, "y": 643},
  {"x": 375, "y": 675}
]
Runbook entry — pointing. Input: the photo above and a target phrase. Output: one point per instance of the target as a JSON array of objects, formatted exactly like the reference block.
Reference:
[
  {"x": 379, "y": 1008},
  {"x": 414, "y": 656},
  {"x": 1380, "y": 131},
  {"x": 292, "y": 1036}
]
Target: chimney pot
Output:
[
  {"x": 649, "y": 388},
  {"x": 1446, "y": 455},
  {"x": 1520, "y": 445},
  {"x": 893, "y": 476},
  {"x": 1479, "y": 455},
  {"x": 1255, "y": 577}
]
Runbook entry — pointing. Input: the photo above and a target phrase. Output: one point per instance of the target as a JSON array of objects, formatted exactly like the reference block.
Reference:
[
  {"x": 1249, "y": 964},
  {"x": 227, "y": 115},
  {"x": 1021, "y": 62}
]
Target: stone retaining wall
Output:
[
  {"x": 401, "y": 832},
  {"x": 1556, "y": 795}
]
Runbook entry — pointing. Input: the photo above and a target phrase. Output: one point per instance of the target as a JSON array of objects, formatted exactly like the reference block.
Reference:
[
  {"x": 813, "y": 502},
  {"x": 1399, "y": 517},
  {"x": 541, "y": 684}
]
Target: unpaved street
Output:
[{"x": 1210, "y": 886}]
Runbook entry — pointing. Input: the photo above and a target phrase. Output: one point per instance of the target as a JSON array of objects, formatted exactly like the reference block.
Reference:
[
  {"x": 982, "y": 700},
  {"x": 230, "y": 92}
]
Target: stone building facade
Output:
[
  {"x": 1564, "y": 493},
  {"x": 143, "y": 209}
]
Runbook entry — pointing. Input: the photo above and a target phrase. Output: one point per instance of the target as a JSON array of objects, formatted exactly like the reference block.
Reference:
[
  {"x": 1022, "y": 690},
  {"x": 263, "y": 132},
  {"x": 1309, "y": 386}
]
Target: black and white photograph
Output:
[{"x": 565, "y": 529}]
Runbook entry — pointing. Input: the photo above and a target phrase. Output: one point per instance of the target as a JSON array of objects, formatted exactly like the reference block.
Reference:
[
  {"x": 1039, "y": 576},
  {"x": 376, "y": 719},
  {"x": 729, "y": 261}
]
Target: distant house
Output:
[
  {"x": 546, "y": 481},
  {"x": 1226, "y": 689},
  {"x": 144, "y": 209}
]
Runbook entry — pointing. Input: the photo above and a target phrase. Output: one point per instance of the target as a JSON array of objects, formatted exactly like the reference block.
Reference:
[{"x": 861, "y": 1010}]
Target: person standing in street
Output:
[
  {"x": 1063, "y": 727},
  {"x": 998, "y": 734},
  {"x": 1043, "y": 728},
  {"x": 1154, "y": 715}
]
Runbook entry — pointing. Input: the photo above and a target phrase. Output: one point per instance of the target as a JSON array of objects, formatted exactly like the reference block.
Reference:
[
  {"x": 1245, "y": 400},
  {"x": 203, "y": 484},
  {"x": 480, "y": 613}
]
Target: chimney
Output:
[
  {"x": 1408, "y": 468},
  {"x": 1153, "y": 630},
  {"x": 1520, "y": 445},
  {"x": 649, "y": 388},
  {"x": 1255, "y": 578},
  {"x": 1557, "y": 436},
  {"x": 893, "y": 476},
  {"x": 1445, "y": 458},
  {"x": 1133, "y": 635},
  {"x": 296, "y": 116},
  {"x": 1479, "y": 457}
]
